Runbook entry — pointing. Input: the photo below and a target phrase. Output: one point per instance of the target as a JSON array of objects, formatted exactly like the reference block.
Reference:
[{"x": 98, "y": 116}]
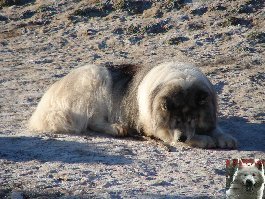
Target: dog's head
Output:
[
  {"x": 181, "y": 110},
  {"x": 250, "y": 175}
]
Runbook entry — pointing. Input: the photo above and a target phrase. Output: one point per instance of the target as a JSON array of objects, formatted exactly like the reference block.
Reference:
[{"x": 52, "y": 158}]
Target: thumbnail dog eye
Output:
[
  {"x": 245, "y": 175},
  {"x": 253, "y": 174}
]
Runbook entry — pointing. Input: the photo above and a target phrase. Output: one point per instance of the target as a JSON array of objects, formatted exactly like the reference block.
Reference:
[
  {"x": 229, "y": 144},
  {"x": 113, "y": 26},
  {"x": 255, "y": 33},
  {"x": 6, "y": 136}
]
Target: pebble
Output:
[{"x": 17, "y": 195}]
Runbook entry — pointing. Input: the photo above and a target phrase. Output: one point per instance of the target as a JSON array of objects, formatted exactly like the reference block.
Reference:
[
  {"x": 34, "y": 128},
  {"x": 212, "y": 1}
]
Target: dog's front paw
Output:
[
  {"x": 120, "y": 130},
  {"x": 202, "y": 141},
  {"x": 225, "y": 141}
]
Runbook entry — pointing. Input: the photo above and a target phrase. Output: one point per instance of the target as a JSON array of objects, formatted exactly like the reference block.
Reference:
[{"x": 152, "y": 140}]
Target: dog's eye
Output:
[
  {"x": 253, "y": 174},
  {"x": 202, "y": 98},
  {"x": 178, "y": 121},
  {"x": 164, "y": 106},
  {"x": 245, "y": 174},
  {"x": 167, "y": 104}
]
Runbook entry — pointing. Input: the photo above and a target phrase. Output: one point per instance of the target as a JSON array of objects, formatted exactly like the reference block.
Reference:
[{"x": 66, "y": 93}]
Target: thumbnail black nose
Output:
[
  {"x": 249, "y": 183},
  {"x": 183, "y": 138}
]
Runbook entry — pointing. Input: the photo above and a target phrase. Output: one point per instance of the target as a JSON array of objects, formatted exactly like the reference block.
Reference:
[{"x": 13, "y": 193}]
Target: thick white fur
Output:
[
  {"x": 184, "y": 75},
  {"x": 80, "y": 98},
  {"x": 237, "y": 189}
]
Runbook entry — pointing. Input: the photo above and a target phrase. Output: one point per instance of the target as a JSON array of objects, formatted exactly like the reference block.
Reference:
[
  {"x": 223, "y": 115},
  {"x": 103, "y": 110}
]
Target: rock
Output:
[
  {"x": 256, "y": 37},
  {"x": 246, "y": 9},
  {"x": 177, "y": 40},
  {"x": 133, "y": 29},
  {"x": 199, "y": 11},
  {"x": 3, "y": 18},
  {"x": 162, "y": 183},
  {"x": 89, "y": 12},
  {"x": 17, "y": 195},
  {"x": 195, "y": 26},
  {"x": 135, "y": 39},
  {"x": 132, "y": 7},
  {"x": 184, "y": 18},
  {"x": 156, "y": 28},
  {"x": 27, "y": 14},
  {"x": 14, "y": 2},
  {"x": 219, "y": 7},
  {"x": 198, "y": 43},
  {"x": 118, "y": 31},
  {"x": 234, "y": 21},
  {"x": 152, "y": 12}
]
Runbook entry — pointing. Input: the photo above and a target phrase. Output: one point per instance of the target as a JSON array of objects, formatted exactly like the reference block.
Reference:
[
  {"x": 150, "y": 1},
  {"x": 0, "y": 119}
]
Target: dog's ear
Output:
[
  {"x": 202, "y": 97},
  {"x": 259, "y": 165},
  {"x": 240, "y": 164}
]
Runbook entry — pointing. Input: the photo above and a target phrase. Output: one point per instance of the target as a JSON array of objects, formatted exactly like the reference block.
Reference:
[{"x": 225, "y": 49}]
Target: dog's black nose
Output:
[
  {"x": 249, "y": 186},
  {"x": 249, "y": 183},
  {"x": 183, "y": 138}
]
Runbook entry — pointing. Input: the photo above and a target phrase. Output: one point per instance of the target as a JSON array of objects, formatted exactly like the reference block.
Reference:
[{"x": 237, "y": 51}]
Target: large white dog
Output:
[{"x": 173, "y": 101}]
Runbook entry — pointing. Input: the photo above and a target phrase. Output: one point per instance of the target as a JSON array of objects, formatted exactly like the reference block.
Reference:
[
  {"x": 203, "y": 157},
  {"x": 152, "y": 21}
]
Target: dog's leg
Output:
[
  {"x": 111, "y": 129},
  {"x": 223, "y": 140},
  {"x": 202, "y": 141},
  {"x": 217, "y": 139},
  {"x": 164, "y": 135}
]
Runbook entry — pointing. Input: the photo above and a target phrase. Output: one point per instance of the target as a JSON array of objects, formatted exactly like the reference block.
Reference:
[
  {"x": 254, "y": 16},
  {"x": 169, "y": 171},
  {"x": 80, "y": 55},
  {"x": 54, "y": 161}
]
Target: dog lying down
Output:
[{"x": 173, "y": 101}]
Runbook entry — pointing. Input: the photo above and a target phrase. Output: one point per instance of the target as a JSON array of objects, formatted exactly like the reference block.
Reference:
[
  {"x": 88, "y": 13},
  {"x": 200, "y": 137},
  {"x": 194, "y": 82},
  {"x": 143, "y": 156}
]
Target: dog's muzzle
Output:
[{"x": 249, "y": 185}]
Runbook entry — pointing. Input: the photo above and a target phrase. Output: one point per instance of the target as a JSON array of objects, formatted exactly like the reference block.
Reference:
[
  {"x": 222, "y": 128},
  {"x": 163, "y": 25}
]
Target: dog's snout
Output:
[
  {"x": 249, "y": 183},
  {"x": 183, "y": 138}
]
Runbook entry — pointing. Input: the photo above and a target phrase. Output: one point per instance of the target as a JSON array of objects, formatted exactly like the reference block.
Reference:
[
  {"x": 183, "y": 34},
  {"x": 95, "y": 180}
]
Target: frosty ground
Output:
[{"x": 41, "y": 41}]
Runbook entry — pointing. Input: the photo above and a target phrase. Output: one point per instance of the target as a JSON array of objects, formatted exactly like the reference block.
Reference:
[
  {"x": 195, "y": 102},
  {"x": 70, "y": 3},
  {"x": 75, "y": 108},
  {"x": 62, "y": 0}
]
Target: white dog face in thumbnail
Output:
[{"x": 248, "y": 181}]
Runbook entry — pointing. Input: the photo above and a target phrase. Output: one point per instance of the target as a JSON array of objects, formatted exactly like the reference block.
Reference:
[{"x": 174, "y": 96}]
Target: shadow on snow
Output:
[
  {"x": 251, "y": 136},
  {"x": 21, "y": 149}
]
